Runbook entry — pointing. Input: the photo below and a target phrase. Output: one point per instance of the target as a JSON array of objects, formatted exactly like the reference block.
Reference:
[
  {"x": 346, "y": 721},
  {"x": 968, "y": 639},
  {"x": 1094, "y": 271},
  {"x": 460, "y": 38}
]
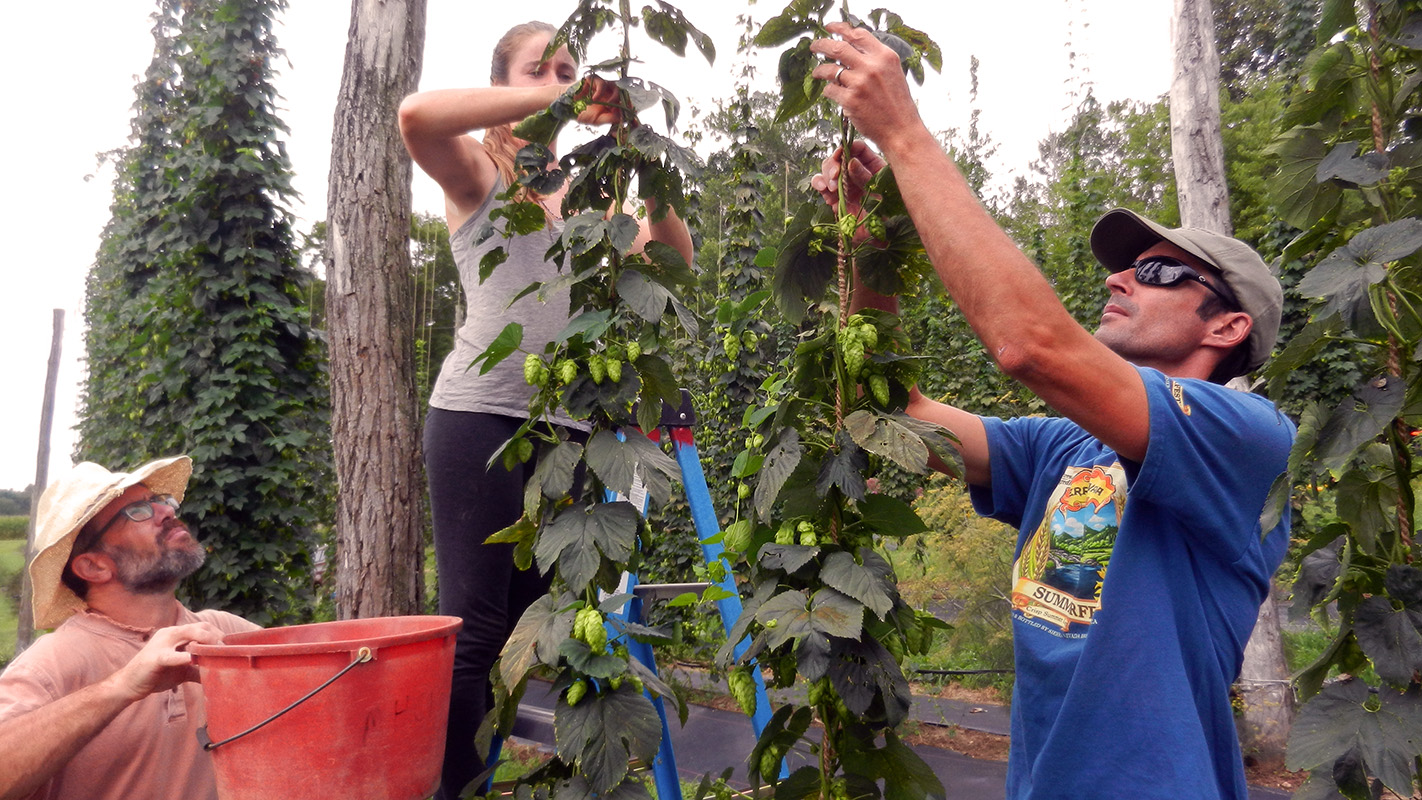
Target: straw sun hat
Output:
[{"x": 67, "y": 505}]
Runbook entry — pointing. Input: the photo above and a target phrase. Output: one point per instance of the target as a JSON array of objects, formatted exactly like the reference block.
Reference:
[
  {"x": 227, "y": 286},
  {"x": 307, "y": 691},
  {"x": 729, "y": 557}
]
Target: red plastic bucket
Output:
[{"x": 376, "y": 731}]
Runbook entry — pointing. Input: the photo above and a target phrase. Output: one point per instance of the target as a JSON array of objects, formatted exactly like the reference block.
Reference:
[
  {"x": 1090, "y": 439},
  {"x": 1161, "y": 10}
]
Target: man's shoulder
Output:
[
  {"x": 1175, "y": 385},
  {"x": 72, "y": 656},
  {"x": 1203, "y": 401},
  {"x": 77, "y": 630}
]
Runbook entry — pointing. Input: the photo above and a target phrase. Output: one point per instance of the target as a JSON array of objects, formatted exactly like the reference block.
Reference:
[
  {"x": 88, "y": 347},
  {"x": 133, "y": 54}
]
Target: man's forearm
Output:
[
  {"x": 1012, "y": 308},
  {"x": 1010, "y": 305},
  {"x": 1001, "y": 293},
  {"x": 669, "y": 230},
  {"x": 37, "y": 745}
]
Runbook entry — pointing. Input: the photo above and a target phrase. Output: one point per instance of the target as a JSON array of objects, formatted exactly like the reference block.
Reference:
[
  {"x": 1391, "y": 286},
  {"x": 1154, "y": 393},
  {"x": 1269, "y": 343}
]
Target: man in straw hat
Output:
[
  {"x": 1130, "y": 609},
  {"x": 103, "y": 707}
]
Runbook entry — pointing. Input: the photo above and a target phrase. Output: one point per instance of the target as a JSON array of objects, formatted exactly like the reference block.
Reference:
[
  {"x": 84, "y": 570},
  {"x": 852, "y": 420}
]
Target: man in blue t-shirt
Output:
[{"x": 1141, "y": 559}]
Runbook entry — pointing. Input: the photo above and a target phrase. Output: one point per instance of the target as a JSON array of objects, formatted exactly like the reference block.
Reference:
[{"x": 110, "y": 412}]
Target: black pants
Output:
[{"x": 477, "y": 582}]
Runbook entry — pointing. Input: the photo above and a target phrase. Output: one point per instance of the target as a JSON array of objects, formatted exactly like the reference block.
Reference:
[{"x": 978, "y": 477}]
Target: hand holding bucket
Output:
[{"x": 355, "y": 708}]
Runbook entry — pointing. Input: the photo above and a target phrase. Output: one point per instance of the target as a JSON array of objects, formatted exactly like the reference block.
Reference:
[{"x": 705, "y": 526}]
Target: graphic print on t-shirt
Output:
[{"x": 1058, "y": 575}]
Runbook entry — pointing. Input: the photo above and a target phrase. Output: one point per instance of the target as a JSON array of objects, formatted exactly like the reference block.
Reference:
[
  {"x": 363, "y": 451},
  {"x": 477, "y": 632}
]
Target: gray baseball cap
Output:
[{"x": 1121, "y": 235}]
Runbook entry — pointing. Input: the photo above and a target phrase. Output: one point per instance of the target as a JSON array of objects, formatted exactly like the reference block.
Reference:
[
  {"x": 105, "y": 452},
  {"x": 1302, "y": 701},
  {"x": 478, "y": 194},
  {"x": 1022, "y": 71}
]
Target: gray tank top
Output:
[{"x": 502, "y": 390}]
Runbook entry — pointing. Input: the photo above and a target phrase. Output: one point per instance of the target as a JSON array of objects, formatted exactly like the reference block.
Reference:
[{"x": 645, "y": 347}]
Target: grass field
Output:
[
  {"x": 12, "y": 560},
  {"x": 13, "y": 527}
]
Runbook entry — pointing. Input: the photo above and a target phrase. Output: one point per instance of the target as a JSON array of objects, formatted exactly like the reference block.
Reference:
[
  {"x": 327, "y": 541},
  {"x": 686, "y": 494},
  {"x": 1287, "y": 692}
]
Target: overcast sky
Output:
[{"x": 72, "y": 90}]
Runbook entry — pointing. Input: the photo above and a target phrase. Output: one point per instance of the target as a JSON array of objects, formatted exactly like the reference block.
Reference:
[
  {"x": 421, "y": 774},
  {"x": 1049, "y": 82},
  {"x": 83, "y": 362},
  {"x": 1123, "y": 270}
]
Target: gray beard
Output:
[{"x": 157, "y": 576}]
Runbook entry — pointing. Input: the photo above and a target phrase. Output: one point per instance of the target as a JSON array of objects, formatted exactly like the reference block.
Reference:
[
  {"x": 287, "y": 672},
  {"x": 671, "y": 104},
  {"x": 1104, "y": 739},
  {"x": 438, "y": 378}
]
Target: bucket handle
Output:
[{"x": 362, "y": 655}]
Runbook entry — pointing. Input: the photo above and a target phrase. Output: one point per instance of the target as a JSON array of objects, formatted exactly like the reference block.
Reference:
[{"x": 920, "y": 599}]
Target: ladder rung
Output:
[{"x": 666, "y": 591}]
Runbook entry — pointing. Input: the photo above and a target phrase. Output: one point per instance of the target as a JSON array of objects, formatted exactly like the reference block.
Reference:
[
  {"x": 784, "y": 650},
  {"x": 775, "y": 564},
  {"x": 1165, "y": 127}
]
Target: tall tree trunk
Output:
[
  {"x": 1267, "y": 692},
  {"x": 1198, "y": 152},
  {"x": 25, "y": 633},
  {"x": 369, "y": 302},
  {"x": 1195, "y": 143}
]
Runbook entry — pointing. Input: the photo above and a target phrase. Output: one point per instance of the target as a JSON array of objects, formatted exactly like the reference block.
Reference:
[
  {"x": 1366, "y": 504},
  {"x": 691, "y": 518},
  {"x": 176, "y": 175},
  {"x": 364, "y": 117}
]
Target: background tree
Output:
[
  {"x": 824, "y": 608},
  {"x": 1195, "y": 142},
  {"x": 760, "y": 168},
  {"x": 369, "y": 297},
  {"x": 197, "y": 339},
  {"x": 610, "y": 366},
  {"x": 1349, "y": 182},
  {"x": 1198, "y": 151},
  {"x": 438, "y": 300},
  {"x": 1261, "y": 41},
  {"x": 13, "y": 503}
]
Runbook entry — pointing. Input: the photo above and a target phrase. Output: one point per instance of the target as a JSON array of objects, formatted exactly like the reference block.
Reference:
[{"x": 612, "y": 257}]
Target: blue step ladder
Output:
[{"x": 677, "y": 425}]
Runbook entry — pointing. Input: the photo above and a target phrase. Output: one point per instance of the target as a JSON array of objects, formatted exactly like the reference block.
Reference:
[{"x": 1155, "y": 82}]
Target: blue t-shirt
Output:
[{"x": 1135, "y": 589}]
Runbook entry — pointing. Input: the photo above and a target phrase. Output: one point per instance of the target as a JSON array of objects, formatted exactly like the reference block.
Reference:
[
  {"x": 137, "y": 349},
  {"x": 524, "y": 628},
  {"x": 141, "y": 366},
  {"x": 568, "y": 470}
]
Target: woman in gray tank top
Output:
[{"x": 470, "y": 415}]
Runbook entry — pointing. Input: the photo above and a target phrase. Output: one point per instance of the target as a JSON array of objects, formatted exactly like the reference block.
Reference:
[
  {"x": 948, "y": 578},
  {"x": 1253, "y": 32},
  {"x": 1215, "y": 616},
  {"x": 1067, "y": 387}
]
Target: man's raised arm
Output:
[{"x": 1011, "y": 307}]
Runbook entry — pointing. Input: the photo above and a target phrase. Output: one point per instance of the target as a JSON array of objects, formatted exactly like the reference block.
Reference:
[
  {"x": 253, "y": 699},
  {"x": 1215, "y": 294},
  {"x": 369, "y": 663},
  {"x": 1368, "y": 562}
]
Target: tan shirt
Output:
[{"x": 150, "y": 750}]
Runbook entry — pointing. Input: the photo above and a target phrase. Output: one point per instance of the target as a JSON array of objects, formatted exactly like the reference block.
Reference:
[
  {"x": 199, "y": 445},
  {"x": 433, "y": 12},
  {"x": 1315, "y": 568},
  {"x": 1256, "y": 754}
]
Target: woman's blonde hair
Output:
[{"x": 499, "y": 141}]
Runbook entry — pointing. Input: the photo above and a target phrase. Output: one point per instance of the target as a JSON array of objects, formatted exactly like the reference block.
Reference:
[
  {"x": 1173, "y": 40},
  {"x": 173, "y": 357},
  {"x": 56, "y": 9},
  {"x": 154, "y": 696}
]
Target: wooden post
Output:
[
  {"x": 1197, "y": 149},
  {"x": 25, "y": 636},
  {"x": 1195, "y": 143}
]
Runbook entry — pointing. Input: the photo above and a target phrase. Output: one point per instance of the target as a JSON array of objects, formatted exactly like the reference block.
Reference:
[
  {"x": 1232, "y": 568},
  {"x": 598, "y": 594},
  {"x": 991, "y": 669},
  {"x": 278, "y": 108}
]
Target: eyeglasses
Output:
[
  {"x": 140, "y": 511},
  {"x": 1167, "y": 271},
  {"x": 143, "y": 510}
]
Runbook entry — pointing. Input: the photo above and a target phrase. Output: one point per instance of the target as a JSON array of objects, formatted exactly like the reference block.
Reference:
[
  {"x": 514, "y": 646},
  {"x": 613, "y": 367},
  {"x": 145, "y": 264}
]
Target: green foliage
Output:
[
  {"x": 439, "y": 298},
  {"x": 612, "y": 366},
  {"x": 1261, "y": 41},
  {"x": 1303, "y": 647},
  {"x": 1349, "y": 182},
  {"x": 14, "y": 527},
  {"x": 197, "y": 336},
  {"x": 1250, "y": 126},
  {"x": 12, "y": 565},
  {"x": 824, "y": 607},
  {"x": 960, "y": 569},
  {"x": 12, "y": 562},
  {"x": 744, "y": 195},
  {"x": 15, "y": 503}
]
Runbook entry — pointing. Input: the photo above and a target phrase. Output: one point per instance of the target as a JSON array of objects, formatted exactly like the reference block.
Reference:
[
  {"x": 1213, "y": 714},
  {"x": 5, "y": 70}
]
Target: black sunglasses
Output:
[{"x": 1167, "y": 271}]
